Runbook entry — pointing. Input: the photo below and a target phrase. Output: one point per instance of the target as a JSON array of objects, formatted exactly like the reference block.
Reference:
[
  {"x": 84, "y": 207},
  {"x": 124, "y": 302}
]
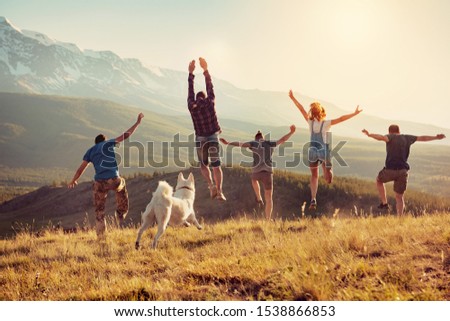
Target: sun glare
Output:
[{"x": 351, "y": 24}]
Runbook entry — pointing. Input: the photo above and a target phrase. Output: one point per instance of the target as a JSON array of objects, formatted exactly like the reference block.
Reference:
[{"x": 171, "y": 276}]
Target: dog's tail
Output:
[{"x": 164, "y": 192}]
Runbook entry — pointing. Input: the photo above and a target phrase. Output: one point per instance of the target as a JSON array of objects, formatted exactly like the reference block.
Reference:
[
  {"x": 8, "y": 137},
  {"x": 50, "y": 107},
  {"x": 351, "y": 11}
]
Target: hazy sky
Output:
[{"x": 392, "y": 57}]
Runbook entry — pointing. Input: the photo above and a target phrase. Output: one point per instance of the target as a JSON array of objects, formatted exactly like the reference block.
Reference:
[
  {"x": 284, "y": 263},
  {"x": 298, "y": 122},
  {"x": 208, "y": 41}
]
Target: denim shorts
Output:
[{"x": 318, "y": 154}]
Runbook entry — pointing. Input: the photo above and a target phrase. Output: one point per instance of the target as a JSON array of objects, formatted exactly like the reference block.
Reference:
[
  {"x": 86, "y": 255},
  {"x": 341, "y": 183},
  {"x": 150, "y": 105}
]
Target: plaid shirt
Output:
[{"x": 203, "y": 114}]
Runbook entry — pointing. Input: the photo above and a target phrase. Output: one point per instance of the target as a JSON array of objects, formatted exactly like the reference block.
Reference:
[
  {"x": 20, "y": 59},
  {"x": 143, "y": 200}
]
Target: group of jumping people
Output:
[{"x": 202, "y": 108}]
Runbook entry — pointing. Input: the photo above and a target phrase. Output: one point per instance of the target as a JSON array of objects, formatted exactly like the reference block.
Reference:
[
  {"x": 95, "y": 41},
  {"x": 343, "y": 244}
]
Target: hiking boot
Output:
[
  {"x": 384, "y": 207},
  {"x": 213, "y": 192},
  {"x": 220, "y": 196},
  {"x": 313, "y": 205}
]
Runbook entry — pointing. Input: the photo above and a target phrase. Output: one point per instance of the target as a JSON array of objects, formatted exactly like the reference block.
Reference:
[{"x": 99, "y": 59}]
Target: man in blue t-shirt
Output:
[
  {"x": 262, "y": 170},
  {"x": 107, "y": 178},
  {"x": 396, "y": 166}
]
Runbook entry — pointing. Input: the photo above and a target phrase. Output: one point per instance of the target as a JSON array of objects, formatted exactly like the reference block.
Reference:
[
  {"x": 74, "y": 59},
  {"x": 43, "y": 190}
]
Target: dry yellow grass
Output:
[{"x": 383, "y": 258}]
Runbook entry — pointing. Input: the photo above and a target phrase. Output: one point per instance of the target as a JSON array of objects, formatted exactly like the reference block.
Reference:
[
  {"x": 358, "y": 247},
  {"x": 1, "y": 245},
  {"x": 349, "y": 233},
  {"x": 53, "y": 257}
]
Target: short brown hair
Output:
[
  {"x": 394, "y": 129},
  {"x": 200, "y": 95},
  {"x": 100, "y": 138}
]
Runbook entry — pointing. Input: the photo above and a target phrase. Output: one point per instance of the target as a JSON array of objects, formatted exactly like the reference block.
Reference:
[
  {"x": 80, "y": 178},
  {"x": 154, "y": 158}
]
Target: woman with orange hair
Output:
[{"x": 319, "y": 152}]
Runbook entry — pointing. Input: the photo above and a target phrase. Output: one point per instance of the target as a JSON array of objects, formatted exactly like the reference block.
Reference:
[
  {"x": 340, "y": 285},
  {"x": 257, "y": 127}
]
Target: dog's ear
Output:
[
  {"x": 191, "y": 178},
  {"x": 181, "y": 176}
]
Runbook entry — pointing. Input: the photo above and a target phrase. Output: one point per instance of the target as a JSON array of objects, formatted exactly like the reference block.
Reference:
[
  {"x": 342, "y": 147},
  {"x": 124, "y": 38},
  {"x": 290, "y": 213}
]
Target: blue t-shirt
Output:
[{"x": 103, "y": 158}]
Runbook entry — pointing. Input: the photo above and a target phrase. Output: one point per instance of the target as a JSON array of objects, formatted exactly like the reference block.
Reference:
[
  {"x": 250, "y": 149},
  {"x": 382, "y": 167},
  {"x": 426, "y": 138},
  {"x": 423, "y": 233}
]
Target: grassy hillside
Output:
[
  {"x": 69, "y": 208},
  {"x": 383, "y": 258}
]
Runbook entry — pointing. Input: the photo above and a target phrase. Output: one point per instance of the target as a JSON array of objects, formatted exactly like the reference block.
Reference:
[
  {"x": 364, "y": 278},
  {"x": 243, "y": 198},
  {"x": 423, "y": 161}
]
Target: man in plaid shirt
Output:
[{"x": 207, "y": 130}]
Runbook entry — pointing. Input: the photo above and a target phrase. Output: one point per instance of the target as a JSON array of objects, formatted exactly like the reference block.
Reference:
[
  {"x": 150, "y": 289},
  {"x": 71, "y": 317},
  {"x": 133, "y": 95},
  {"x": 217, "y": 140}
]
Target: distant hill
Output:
[
  {"x": 43, "y": 139},
  {"x": 74, "y": 207},
  {"x": 31, "y": 62}
]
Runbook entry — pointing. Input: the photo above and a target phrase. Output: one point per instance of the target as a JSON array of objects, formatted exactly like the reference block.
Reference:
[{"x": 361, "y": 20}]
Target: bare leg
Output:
[
  {"x": 382, "y": 192},
  {"x": 269, "y": 203},
  {"x": 327, "y": 173},
  {"x": 314, "y": 182},
  {"x": 400, "y": 203},
  {"x": 218, "y": 176},
  {"x": 256, "y": 189},
  {"x": 206, "y": 174}
]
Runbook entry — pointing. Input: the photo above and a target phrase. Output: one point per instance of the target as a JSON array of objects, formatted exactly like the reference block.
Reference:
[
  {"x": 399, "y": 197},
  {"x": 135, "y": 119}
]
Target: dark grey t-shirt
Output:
[
  {"x": 397, "y": 151},
  {"x": 262, "y": 155}
]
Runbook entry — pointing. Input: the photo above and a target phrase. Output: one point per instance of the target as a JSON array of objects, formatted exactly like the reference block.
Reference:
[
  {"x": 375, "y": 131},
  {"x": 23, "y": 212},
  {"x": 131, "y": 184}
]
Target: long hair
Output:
[{"x": 317, "y": 112}]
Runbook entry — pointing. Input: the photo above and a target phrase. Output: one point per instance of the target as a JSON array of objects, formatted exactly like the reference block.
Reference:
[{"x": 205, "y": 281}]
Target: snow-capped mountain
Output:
[{"x": 32, "y": 62}]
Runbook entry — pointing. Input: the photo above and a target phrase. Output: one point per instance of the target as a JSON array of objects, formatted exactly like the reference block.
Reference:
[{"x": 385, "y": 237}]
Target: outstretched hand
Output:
[
  {"x": 191, "y": 66},
  {"x": 291, "y": 94},
  {"x": 365, "y": 132},
  {"x": 203, "y": 63},
  {"x": 293, "y": 128},
  {"x": 72, "y": 184},
  {"x": 140, "y": 116},
  {"x": 440, "y": 136},
  {"x": 357, "y": 110},
  {"x": 223, "y": 141}
]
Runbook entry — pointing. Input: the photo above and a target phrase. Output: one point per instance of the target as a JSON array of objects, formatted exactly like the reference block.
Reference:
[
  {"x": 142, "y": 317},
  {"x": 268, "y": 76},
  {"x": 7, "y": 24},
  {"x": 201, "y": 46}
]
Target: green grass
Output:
[{"x": 382, "y": 258}]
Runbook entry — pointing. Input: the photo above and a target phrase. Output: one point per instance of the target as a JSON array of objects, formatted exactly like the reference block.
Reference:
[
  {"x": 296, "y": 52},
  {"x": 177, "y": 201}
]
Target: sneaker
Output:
[
  {"x": 213, "y": 192},
  {"x": 220, "y": 197},
  {"x": 383, "y": 206},
  {"x": 313, "y": 205}
]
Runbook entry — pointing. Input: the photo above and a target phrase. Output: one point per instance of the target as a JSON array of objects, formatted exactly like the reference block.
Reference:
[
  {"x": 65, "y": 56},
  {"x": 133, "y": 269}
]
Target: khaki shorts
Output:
[
  {"x": 400, "y": 178},
  {"x": 266, "y": 179}
]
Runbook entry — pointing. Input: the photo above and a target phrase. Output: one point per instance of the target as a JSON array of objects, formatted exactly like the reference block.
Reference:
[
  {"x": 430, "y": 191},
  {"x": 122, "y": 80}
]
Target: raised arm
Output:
[
  {"x": 208, "y": 81},
  {"x": 78, "y": 174},
  {"x": 131, "y": 130},
  {"x": 299, "y": 106},
  {"x": 346, "y": 117},
  {"x": 283, "y": 139},
  {"x": 191, "y": 93},
  {"x": 376, "y": 136},
  {"x": 430, "y": 138},
  {"x": 238, "y": 144}
]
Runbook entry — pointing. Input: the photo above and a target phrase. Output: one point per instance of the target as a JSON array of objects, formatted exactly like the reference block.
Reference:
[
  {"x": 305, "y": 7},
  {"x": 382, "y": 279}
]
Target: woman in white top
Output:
[{"x": 319, "y": 152}]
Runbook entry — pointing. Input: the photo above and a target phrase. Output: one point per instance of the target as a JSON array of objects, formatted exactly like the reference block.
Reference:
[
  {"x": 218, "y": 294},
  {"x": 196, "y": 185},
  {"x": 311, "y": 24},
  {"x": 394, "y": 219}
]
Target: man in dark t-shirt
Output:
[{"x": 396, "y": 167}]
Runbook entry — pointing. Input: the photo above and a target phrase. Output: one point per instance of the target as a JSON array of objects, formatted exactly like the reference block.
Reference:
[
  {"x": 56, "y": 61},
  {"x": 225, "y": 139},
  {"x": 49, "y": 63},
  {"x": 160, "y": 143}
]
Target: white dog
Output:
[{"x": 171, "y": 208}]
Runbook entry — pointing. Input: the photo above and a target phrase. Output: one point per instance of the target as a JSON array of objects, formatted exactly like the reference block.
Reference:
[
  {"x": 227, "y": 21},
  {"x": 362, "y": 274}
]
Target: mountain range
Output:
[
  {"x": 32, "y": 62},
  {"x": 43, "y": 139}
]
